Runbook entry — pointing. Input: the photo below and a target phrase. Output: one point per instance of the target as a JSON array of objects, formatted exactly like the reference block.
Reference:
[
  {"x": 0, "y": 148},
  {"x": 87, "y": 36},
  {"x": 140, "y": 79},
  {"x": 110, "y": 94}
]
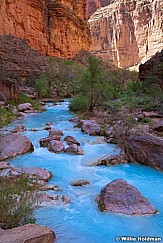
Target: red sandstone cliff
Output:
[
  {"x": 127, "y": 32},
  {"x": 93, "y": 5},
  {"x": 53, "y": 27}
]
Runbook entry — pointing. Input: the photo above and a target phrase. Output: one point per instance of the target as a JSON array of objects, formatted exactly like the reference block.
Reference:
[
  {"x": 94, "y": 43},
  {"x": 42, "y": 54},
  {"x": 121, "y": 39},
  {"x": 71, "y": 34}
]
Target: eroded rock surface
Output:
[
  {"x": 56, "y": 146},
  {"x": 19, "y": 128},
  {"x": 127, "y": 33},
  {"x": 71, "y": 140},
  {"x": 41, "y": 173},
  {"x": 80, "y": 183},
  {"x": 146, "y": 149},
  {"x": 12, "y": 145},
  {"x": 30, "y": 233},
  {"x": 53, "y": 200},
  {"x": 110, "y": 160},
  {"x": 90, "y": 127},
  {"x": 55, "y": 132},
  {"x": 120, "y": 197},
  {"x": 55, "y": 28},
  {"x": 74, "y": 149}
]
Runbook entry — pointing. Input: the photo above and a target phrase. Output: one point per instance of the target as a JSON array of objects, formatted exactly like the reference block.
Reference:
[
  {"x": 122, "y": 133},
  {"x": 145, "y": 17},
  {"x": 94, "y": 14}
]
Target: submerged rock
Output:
[
  {"x": 54, "y": 200},
  {"x": 80, "y": 183},
  {"x": 55, "y": 146},
  {"x": 33, "y": 129},
  {"x": 119, "y": 196},
  {"x": 110, "y": 160},
  {"x": 19, "y": 128},
  {"x": 29, "y": 233},
  {"x": 12, "y": 145},
  {"x": 74, "y": 149}
]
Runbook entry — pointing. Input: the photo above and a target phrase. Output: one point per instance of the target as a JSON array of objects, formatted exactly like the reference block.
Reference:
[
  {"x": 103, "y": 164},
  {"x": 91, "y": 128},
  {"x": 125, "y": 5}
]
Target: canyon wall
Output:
[
  {"x": 127, "y": 32},
  {"x": 93, "y": 5},
  {"x": 53, "y": 27}
]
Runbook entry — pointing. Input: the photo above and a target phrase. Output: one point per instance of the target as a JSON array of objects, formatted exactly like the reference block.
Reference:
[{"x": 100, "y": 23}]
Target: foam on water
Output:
[{"x": 81, "y": 221}]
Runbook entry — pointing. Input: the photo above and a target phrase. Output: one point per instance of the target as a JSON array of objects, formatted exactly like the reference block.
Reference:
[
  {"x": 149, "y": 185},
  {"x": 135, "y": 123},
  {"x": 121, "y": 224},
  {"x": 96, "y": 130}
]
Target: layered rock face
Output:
[
  {"x": 56, "y": 28},
  {"x": 19, "y": 64},
  {"x": 8, "y": 90},
  {"x": 128, "y": 32},
  {"x": 93, "y": 5}
]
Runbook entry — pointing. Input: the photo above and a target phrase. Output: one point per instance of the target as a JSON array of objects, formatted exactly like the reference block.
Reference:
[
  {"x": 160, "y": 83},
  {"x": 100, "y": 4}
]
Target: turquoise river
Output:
[{"x": 81, "y": 221}]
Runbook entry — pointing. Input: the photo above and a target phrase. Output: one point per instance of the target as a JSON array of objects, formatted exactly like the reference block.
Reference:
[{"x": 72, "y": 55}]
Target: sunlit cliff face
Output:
[
  {"x": 128, "y": 32},
  {"x": 56, "y": 28}
]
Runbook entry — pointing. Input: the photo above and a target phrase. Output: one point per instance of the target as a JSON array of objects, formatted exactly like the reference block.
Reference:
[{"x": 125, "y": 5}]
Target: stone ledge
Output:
[{"x": 29, "y": 233}]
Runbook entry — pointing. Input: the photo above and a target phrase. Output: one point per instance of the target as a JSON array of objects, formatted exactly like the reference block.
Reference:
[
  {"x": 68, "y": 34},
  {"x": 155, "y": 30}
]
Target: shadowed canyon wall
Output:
[
  {"x": 93, "y": 5},
  {"x": 53, "y": 27},
  {"x": 127, "y": 32}
]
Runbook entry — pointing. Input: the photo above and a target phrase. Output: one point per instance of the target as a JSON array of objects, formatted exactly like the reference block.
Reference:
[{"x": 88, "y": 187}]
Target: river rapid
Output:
[{"x": 81, "y": 221}]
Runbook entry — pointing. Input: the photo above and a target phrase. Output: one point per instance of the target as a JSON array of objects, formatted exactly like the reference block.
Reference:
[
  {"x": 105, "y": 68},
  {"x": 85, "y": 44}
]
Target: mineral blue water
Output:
[{"x": 81, "y": 221}]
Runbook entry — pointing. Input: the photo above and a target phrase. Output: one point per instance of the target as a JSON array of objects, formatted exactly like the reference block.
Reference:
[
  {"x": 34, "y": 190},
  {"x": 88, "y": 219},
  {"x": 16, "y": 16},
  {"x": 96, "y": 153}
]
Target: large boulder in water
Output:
[
  {"x": 12, "y": 145},
  {"x": 41, "y": 173},
  {"x": 71, "y": 140},
  {"x": 146, "y": 149},
  {"x": 55, "y": 146},
  {"x": 110, "y": 160},
  {"x": 55, "y": 132},
  {"x": 74, "y": 149},
  {"x": 45, "y": 141},
  {"x": 119, "y": 196}
]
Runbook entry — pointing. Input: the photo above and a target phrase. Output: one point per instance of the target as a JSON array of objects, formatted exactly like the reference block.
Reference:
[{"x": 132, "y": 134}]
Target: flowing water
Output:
[{"x": 81, "y": 221}]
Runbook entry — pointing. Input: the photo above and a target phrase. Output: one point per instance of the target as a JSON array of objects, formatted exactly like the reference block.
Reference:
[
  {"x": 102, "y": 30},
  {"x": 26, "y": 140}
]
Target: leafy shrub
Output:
[
  {"x": 80, "y": 103},
  {"x": 6, "y": 116},
  {"x": 17, "y": 201},
  {"x": 23, "y": 98}
]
